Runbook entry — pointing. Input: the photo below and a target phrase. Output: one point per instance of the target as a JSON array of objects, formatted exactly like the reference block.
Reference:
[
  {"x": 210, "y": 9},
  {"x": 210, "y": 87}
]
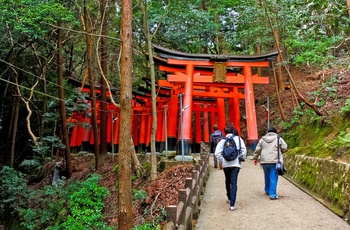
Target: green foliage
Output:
[
  {"x": 116, "y": 168},
  {"x": 306, "y": 29},
  {"x": 300, "y": 113},
  {"x": 13, "y": 192},
  {"x": 41, "y": 150},
  {"x": 45, "y": 208},
  {"x": 156, "y": 223},
  {"x": 147, "y": 226},
  {"x": 34, "y": 18},
  {"x": 86, "y": 206},
  {"x": 140, "y": 194},
  {"x": 75, "y": 206},
  {"x": 346, "y": 108}
]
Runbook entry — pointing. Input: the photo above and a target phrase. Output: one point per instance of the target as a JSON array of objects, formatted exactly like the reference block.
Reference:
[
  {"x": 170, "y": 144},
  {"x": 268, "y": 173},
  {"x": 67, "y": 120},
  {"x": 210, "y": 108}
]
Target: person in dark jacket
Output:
[{"x": 215, "y": 137}]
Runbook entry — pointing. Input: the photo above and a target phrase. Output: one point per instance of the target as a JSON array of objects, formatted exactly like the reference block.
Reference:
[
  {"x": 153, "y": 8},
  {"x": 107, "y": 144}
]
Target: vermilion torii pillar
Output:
[
  {"x": 252, "y": 131},
  {"x": 187, "y": 111}
]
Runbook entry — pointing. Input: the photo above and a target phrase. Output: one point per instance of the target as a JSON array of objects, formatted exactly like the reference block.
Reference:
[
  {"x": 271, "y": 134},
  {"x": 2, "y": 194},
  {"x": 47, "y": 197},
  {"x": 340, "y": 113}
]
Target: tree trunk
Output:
[
  {"x": 92, "y": 86},
  {"x": 301, "y": 97},
  {"x": 64, "y": 127},
  {"x": 42, "y": 123},
  {"x": 258, "y": 69},
  {"x": 103, "y": 110},
  {"x": 279, "y": 78},
  {"x": 348, "y": 7},
  {"x": 126, "y": 145},
  {"x": 278, "y": 96},
  {"x": 13, "y": 130},
  {"x": 153, "y": 93}
]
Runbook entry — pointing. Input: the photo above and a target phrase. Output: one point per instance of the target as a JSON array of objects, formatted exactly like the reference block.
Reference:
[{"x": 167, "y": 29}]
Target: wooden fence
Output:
[{"x": 180, "y": 216}]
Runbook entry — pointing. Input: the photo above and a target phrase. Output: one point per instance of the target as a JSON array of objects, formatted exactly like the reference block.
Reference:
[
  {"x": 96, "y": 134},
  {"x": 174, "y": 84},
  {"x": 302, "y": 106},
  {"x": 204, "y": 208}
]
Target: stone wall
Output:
[{"x": 327, "y": 178}]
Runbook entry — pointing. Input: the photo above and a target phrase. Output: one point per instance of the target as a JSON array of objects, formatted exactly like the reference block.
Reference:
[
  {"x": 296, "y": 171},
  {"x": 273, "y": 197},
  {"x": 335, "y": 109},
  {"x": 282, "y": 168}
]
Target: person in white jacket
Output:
[
  {"x": 268, "y": 151},
  {"x": 231, "y": 168}
]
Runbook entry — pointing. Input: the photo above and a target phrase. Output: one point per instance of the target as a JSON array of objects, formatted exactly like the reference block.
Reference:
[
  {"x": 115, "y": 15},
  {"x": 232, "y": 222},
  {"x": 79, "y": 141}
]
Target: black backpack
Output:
[{"x": 230, "y": 151}]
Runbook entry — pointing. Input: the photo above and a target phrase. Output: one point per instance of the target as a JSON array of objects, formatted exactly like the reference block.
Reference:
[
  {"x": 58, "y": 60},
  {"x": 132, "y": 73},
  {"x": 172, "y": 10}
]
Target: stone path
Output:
[{"x": 293, "y": 210}]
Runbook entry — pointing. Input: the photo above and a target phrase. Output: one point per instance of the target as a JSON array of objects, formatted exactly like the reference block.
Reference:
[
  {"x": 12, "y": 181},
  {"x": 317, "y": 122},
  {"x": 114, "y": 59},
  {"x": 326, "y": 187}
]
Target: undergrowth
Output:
[
  {"x": 74, "y": 205},
  {"x": 319, "y": 136}
]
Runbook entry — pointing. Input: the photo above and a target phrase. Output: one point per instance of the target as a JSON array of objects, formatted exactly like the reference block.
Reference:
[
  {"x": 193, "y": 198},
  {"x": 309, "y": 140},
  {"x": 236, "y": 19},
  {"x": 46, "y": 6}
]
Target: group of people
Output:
[{"x": 267, "y": 150}]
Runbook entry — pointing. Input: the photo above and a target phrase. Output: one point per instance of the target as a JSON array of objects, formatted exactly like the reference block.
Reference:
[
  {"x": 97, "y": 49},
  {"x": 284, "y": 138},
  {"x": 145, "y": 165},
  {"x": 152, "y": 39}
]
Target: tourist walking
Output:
[
  {"x": 268, "y": 151},
  {"x": 215, "y": 137},
  {"x": 231, "y": 168}
]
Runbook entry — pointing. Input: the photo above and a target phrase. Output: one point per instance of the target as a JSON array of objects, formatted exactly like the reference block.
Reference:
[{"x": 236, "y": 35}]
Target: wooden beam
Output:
[
  {"x": 239, "y": 79},
  {"x": 199, "y": 63}
]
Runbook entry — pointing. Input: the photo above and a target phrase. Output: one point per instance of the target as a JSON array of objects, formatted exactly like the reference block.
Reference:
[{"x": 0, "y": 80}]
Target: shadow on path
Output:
[{"x": 293, "y": 210}]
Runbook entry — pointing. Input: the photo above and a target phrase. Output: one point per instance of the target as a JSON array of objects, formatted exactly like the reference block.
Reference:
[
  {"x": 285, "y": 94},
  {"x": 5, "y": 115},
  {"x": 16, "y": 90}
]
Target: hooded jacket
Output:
[{"x": 267, "y": 148}]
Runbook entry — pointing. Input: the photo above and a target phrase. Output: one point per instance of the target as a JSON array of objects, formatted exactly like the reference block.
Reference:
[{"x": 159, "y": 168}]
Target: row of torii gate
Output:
[{"x": 201, "y": 89}]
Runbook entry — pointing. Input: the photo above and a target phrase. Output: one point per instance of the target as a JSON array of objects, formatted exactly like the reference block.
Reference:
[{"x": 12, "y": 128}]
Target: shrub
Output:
[
  {"x": 77, "y": 206},
  {"x": 346, "y": 108},
  {"x": 86, "y": 206},
  {"x": 13, "y": 191}
]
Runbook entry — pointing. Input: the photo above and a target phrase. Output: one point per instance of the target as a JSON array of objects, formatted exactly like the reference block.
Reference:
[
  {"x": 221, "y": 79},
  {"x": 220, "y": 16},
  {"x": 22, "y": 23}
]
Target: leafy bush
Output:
[
  {"x": 140, "y": 194},
  {"x": 13, "y": 190},
  {"x": 346, "y": 108},
  {"x": 86, "y": 206},
  {"x": 147, "y": 226},
  {"x": 78, "y": 205}
]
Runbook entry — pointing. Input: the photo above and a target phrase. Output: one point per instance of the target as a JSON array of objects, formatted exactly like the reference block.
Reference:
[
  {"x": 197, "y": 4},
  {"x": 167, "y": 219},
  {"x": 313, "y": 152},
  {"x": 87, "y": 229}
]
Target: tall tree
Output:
[
  {"x": 149, "y": 49},
  {"x": 126, "y": 145},
  {"x": 89, "y": 45},
  {"x": 61, "y": 97},
  {"x": 104, "y": 64}
]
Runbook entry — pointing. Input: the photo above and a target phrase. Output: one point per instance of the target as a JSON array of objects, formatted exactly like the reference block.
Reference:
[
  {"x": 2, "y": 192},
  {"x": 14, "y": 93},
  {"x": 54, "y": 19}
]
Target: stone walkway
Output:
[{"x": 293, "y": 210}]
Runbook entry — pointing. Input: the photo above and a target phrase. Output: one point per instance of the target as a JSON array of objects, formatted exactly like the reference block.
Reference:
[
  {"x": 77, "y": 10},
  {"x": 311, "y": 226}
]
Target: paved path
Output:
[{"x": 293, "y": 210}]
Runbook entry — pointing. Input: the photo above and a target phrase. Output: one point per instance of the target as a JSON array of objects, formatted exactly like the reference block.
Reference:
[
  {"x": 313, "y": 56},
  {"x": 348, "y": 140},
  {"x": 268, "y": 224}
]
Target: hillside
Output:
[{"x": 331, "y": 87}]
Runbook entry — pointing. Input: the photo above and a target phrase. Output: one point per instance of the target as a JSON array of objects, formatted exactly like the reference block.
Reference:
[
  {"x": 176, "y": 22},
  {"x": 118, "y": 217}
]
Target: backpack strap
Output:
[{"x": 278, "y": 148}]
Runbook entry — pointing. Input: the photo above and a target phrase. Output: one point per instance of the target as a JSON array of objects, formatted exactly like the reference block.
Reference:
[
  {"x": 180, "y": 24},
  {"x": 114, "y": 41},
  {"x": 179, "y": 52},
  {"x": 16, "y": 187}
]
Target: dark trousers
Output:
[
  {"x": 213, "y": 147},
  {"x": 231, "y": 177}
]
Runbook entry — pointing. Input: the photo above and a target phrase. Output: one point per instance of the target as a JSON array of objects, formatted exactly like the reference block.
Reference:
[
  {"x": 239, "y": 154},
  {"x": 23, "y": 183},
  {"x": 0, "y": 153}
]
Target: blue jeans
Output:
[
  {"x": 271, "y": 179},
  {"x": 231, "y": 177}
]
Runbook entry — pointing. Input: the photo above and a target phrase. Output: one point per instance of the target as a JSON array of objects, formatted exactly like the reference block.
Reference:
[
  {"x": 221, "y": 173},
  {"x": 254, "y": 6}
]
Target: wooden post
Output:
[
  {"x": 198, "y": 125},
  {"x": 221, "y": 113},
  {"x": 206, "y": 129},
  {"x": 181, "y": 207},
  {"x": 171, "y": 211},
  {"x": 142, "y": 132}
]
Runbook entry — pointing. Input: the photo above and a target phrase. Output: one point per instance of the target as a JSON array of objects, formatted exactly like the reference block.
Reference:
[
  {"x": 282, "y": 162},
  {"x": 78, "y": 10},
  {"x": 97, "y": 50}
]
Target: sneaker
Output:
[
  {"x": 232, "y": 208},
  {"x": 274, "y": 198}
]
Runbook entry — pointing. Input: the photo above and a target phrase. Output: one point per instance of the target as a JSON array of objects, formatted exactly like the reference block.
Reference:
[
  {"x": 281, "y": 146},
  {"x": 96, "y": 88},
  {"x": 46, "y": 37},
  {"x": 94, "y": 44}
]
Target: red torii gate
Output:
[
  {"x": 205, "y": 81},
  {"x": 187, "y": 72}
]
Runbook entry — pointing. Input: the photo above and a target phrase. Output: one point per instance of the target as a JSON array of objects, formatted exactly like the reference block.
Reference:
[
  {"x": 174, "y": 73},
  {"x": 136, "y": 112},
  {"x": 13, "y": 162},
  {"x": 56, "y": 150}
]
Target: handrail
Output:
[{"x": 180, "y": 216}]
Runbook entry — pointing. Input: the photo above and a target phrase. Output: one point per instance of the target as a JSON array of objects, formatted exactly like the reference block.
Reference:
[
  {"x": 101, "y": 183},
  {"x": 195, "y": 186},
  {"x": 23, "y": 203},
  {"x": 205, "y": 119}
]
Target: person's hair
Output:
[
  {"x": 215, "y": 127},
  {"x": 271, "y": 130},
  {"x": 230, "y": 129}
]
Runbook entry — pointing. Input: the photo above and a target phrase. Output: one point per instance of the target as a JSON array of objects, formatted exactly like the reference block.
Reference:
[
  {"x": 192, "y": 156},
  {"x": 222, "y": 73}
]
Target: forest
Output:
[{"x": 107, "y": 44}]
